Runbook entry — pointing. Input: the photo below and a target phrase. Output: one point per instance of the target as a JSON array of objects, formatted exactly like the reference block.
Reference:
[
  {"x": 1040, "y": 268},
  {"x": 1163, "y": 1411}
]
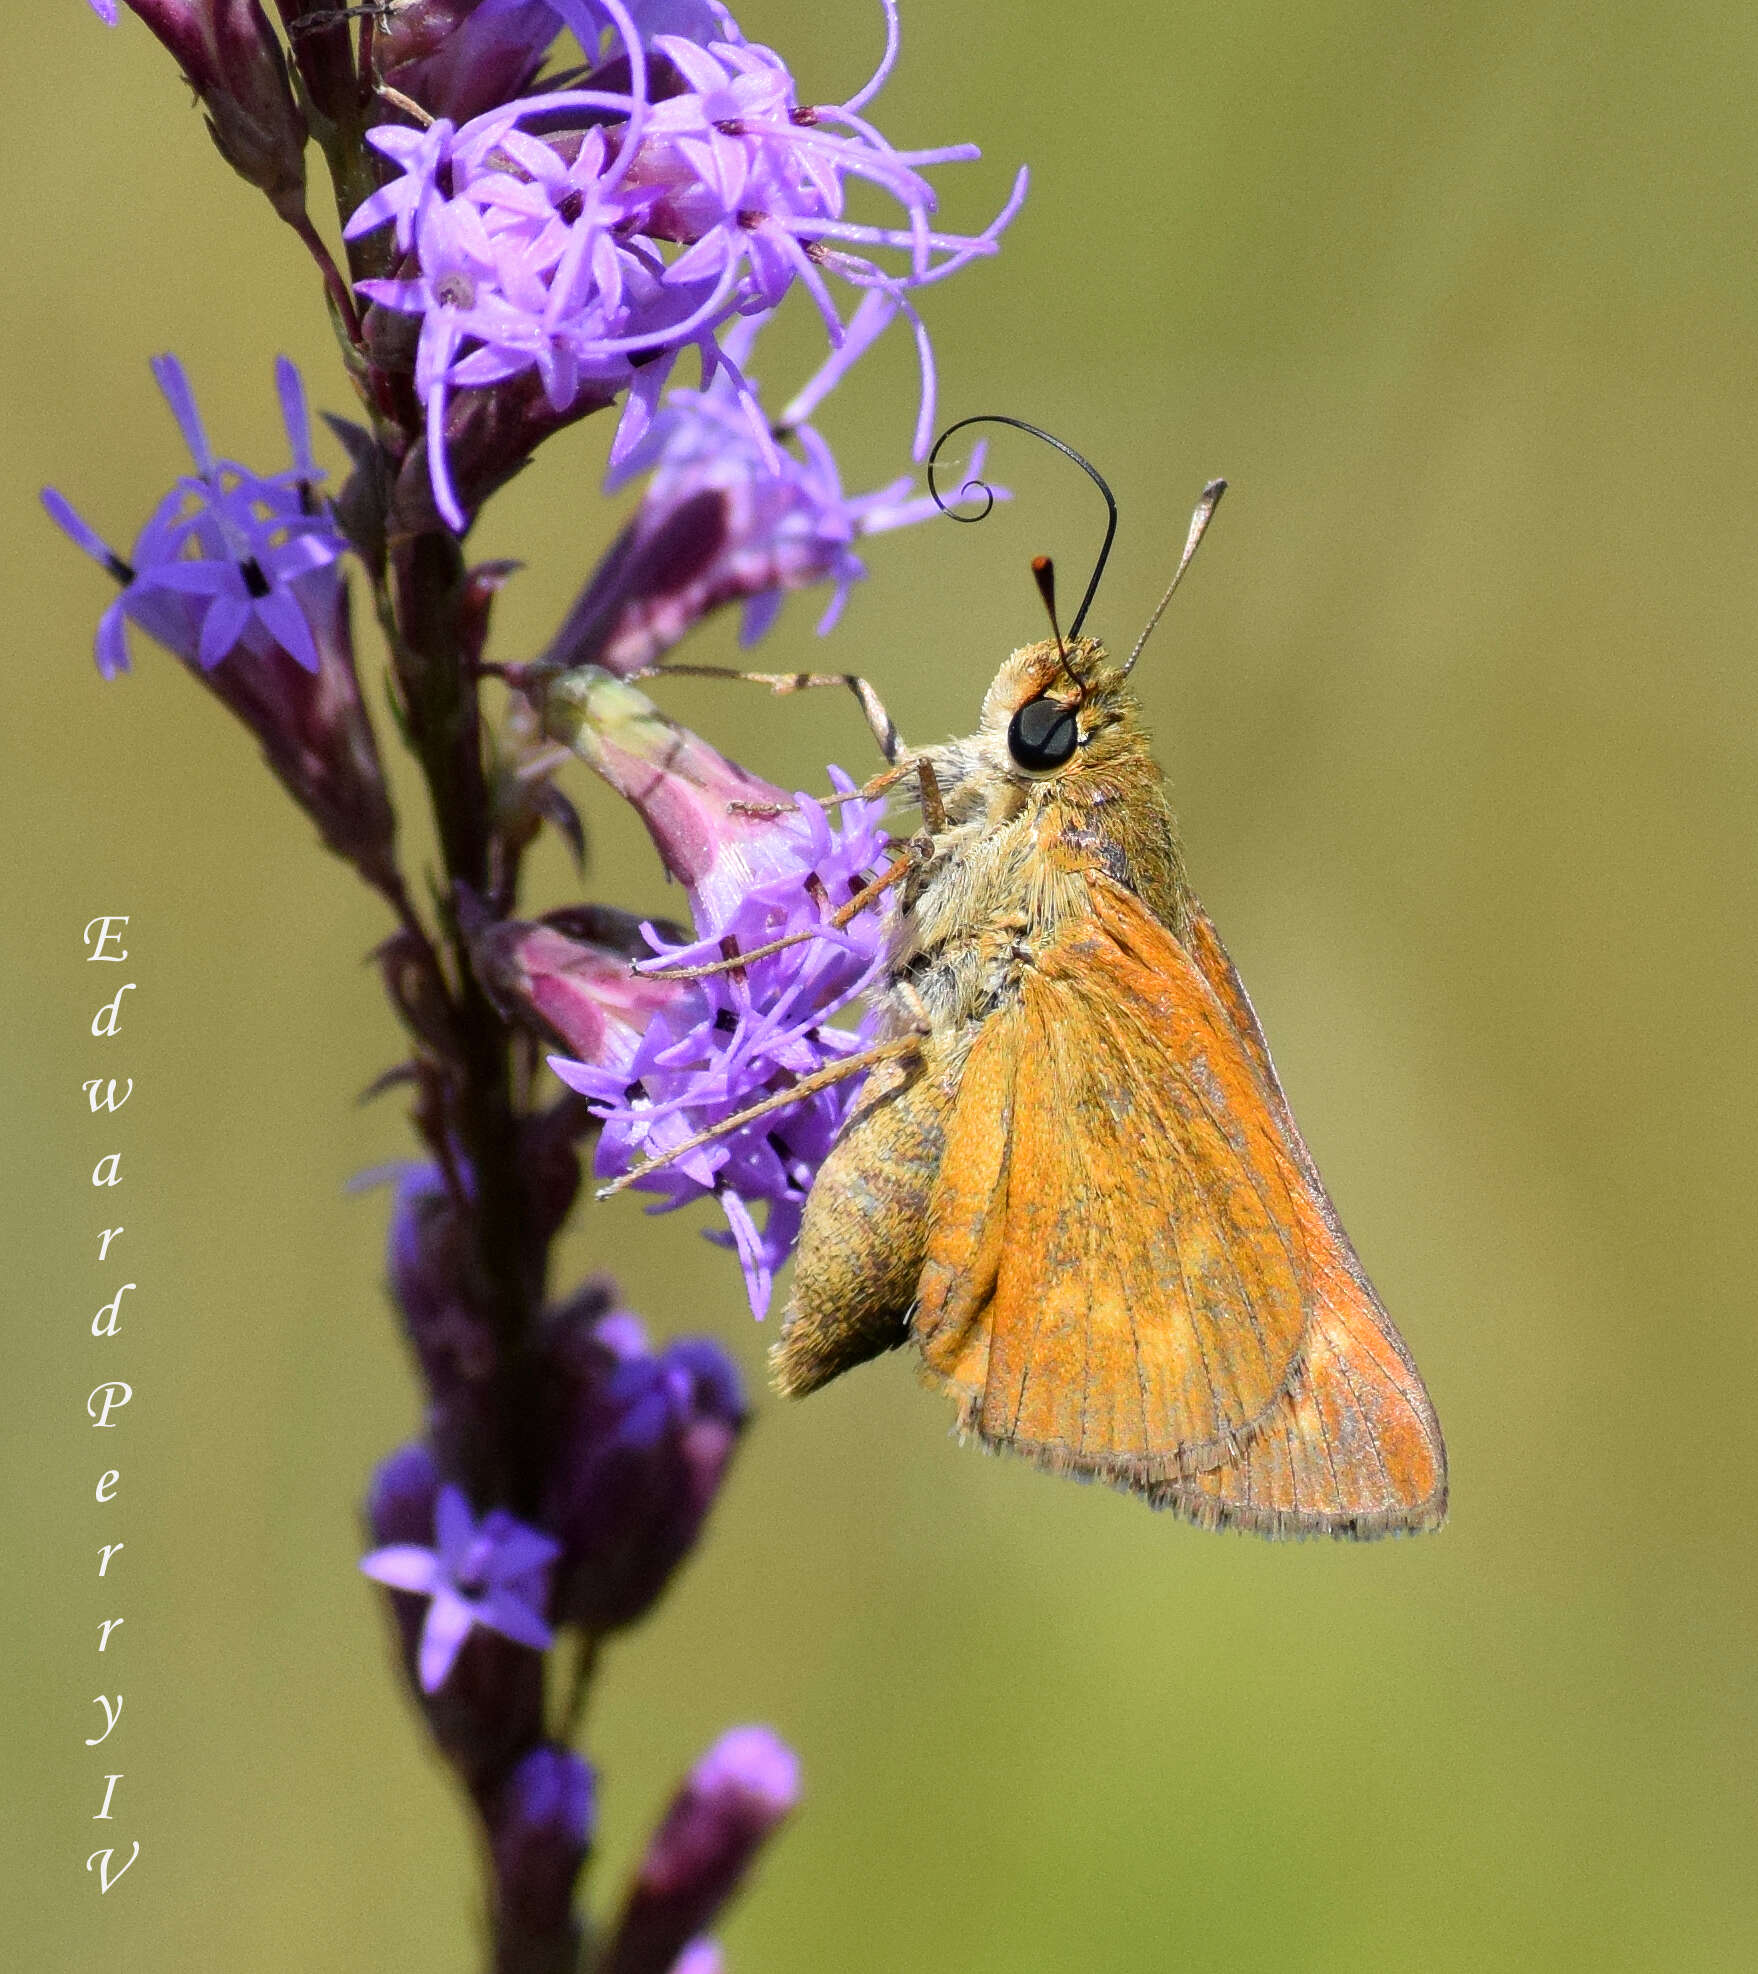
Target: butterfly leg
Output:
[
  {"x": 879, "y": 722},
  {"x": 884, "y": 780},
  {"x": 899, "y": 868},
  {"x": 807, "y": 1086}
]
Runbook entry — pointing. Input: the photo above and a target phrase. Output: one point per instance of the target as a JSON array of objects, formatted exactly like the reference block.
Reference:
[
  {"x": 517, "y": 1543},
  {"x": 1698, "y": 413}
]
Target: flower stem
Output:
[
  {"x": 585, "y": 1665},
  {"x": 440, "y": 702},
  {"x": 340, "y": 294}
]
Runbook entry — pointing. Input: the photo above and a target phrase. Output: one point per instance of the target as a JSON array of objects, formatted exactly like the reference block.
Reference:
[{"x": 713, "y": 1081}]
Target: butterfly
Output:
[{"x": 1072, "y": 1179}]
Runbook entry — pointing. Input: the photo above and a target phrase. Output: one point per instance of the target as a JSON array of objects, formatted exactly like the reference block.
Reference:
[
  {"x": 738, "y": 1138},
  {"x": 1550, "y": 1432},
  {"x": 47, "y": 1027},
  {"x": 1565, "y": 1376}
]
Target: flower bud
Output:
[
  {"x": 654, "y": 582},
  {"x": 700, "y": 1957},
  {"x": 694, "y": 801},
  {"x": 732, "y": 1801},
  {"x": 541, "y": 1829},
  {"x": 458, "y": 58},
  {"x": 577, "y": 990},
  {"x": 231, "y": 59},
  {"x": 639, "y": 1447},
  {"x": 432, "y": 1266}
]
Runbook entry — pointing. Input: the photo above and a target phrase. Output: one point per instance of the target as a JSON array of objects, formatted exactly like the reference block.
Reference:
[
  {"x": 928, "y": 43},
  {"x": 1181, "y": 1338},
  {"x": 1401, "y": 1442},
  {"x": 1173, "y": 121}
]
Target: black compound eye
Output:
[{"x": 1042, "y": 734}]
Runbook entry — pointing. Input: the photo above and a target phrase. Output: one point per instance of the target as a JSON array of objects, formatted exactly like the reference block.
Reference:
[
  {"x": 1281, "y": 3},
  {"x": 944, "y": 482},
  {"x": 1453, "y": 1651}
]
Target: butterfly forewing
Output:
[{"x": 1148, "y": 1300}]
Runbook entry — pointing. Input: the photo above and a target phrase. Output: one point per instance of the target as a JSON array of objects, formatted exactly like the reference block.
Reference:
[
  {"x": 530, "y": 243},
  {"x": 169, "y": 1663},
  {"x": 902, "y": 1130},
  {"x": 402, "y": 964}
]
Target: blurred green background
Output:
[{"x": 1460, "y": 710}]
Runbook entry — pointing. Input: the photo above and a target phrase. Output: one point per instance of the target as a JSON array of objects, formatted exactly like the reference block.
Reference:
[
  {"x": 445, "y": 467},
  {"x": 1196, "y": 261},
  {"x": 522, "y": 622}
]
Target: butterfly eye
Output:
[{"x": 1043, "y": 734}]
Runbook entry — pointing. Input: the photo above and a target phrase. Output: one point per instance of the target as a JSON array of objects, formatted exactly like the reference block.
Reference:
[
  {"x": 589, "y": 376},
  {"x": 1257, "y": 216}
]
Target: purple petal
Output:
[
  {"x": 758, "y": 615},
  {"x": 514, "y": 1619},
  {"x": 295, "y": 416},
  {"x": 446, "y": 1627},
  {"x": 518, "y": 1549},
  {"x": 759, "y": 1277},
  {"x": 227, "y": 618},
  {"x": 454, "y": 1527},
  {"x": 438, "y": 468},
  {"x": 174, "y": 382},
  {"x": 285, "y": 622},
  {"x": 111, "y": 646},
  {"x": 61, "y": 512},
  {"x": 403, "y": 1567}
]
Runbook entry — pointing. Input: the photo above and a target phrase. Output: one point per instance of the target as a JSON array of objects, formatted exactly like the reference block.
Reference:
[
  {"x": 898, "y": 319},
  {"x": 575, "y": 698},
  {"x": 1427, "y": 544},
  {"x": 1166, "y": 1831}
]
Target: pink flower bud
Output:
[
  {"x": 719, "y": 828},
  {"x": 579, "y": 990},
  {"x": 732, "y": 1801}
]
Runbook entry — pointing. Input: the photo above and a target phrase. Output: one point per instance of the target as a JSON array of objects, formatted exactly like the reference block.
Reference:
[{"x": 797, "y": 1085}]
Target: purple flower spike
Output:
[
  {"x": 541, "y": 1831},
  {"x": 641, "y": 1445},
  {"x": 493, "y": 1573},
  {"x": 734, "y": 1799}
]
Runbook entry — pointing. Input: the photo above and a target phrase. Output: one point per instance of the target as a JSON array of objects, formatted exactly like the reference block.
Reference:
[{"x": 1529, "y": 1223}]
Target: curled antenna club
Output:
[{"x": 1086, "y": 466}]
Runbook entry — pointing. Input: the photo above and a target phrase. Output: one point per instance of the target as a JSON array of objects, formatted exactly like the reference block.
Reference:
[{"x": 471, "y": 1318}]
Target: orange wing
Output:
[
  {"x": 1354, "y": 1447},
  {"x": 1134, "y": 1271},
  {"x": 1115, "y": 1281}
]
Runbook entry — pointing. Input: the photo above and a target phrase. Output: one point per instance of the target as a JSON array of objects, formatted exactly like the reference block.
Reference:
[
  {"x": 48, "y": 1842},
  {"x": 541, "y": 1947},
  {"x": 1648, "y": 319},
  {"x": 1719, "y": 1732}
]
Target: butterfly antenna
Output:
[
  {"x": 974, "y": 484},
  {"x": 1044, "y": 575},
  {"x": 1199, "y": 526}
]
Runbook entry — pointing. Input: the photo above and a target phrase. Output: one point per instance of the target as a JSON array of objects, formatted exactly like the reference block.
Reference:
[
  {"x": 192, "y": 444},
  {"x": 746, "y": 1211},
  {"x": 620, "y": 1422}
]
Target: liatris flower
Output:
[
  {"x": 640, "y": 1446},
  {"x": 490, "y": 1708},
  {"x": 731, "y": 515},
  {"x": 236, "y": 574},
  {"x": 535, "y": 229},
  {"x": 753, "y": 181},
  {"x": 742, "y": 1035},
  {"x": 732, "y": 1801},
  {"x": 230, "y": 559},
  {"x": 491, "y": 1573}
]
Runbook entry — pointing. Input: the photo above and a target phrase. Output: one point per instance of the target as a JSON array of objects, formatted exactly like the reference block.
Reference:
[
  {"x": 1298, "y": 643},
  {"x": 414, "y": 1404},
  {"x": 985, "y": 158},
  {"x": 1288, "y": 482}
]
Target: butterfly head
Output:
[{"x": 1058, "y": 709}]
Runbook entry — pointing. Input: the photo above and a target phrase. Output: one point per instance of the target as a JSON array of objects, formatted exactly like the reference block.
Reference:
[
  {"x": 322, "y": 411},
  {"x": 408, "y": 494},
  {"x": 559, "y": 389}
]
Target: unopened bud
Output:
[
  {"x": 640, "y": 1448},
  {"x": 541, "y": 1829},
  {"x": 732, "y": 1801},
  {"x": 231, "y": 59}
]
